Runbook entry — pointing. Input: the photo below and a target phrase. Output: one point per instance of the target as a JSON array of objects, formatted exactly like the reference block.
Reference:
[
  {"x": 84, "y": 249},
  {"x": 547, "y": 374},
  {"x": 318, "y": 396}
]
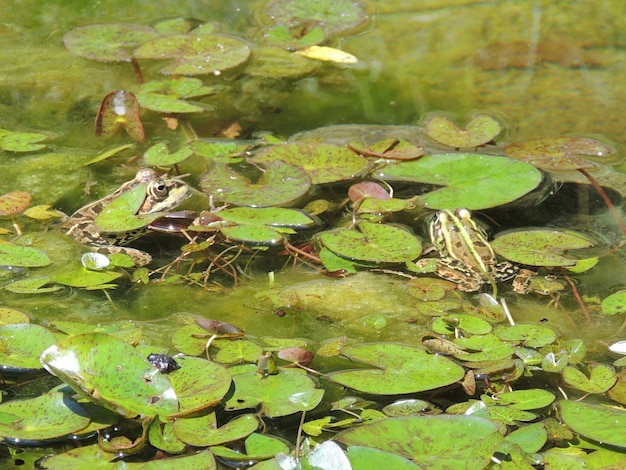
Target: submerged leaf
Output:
[{"x": 480, "y": 130}]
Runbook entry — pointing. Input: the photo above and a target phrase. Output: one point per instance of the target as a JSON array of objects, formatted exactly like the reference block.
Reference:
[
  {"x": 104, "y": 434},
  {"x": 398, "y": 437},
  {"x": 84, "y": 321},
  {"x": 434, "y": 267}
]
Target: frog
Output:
[
  {"x": 465, "y": 256},
  {"x": 163, "y": 193}
]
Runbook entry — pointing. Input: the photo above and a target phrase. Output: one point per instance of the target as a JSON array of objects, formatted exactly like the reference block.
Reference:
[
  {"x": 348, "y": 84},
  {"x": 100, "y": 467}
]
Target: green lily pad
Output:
[
  {"x": 199, "y": 384},
  {"x": 22, "y": 141},
  {"x": 436, "y": 442},
  {"x": 10, "y": 316},
  {"x": 324, "y": 163},
  {"x": 168, "y": 96},
  {"x": 480, "y": 130},
  {"x": 14, "y": 202},
  {"x": 540, "y": 247},
  {"x": 257, "y": 446},
  {"x": 529, "y": 399},
  {"x": 108, "y": 42},
  {"x": 239, "y": 351},
  {"x": 220, "y": 151},
  {"x": 112, "y": 373},
  {"x": 94, "y": 457},
  {"x": 274, "y": 64},
  {"x": 364, "y": 458},
  {"x": 32, "y": 285},
  {"x": 24, "y": 256},
  {"x": 48, "y": 416},
  {"x": 161, "y": 436},
  {"x": 22, "y": 344},
  {"x": 467, "y": 324},
  {"x": 203, "y": 431},
  {"x": 373, "y": 242},
  {"x": 333, "y": 16},
  {"x": 190, "y": 340},
  {"x": 120, "y": 215},
  {"x": 614, "y": 303},
  {"x": 274, "y": 216},
  {"x": 530, "y": 437},
  {"x": 200, "y": 54},
  {"x": 469, "y": 180},
  {"x": 401, "y": 369},
  {"x": 559, "y": 153},
  {"x": 159, "y": 155},
  {"x": 605, "y": 424},
  {"x": 510, "y": 416},
  {"x": 601, "y": 378},
  {"x": 279, "y": 184},
  {"x": 532, "y": 336},
  {"x": 278, "y": 395},
  {"x": 254, "y": 234},
  {"x": 81, "y": 277}
]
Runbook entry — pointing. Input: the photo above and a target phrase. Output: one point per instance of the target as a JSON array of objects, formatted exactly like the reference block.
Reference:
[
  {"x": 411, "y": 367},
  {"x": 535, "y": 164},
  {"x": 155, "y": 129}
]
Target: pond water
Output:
[{"x": 541, "y": 69}]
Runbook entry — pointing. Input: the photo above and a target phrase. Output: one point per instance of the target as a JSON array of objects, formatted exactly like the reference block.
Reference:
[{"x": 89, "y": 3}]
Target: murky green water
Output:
[{"x": 415, "y": 58}]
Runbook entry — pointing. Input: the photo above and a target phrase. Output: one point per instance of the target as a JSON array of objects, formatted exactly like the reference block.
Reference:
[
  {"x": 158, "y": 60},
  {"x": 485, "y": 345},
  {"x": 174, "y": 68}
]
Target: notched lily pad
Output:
[
  {"x": 22, "y": 344},
  {"x": 200, "y": 54},
  {"x": 112, "y": 373},
  {"x": 401, "y": 369},
  {"x": 469, "y": 180},
  {"x": 377, "y": 243},
  {"x": 280, "y": 183},
  {"x": 540, "y": 247},
  {"x": 446, "y": 441},
  {"x": 601, "y": 423},
  {"x": 480, "y": 130},
  {"x": 24, "y": 256},
  {"x": 21, "y": 141},
  {"x": 108, "y": 42},
  {"x": 324, "y": 163},
  {"x": 559, "y": 153},
  {"x": 14, "y": 202}
]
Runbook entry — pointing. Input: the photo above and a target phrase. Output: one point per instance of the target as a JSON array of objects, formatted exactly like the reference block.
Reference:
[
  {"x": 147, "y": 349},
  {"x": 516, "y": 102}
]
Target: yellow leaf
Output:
[{"x": 329, "y": 54}]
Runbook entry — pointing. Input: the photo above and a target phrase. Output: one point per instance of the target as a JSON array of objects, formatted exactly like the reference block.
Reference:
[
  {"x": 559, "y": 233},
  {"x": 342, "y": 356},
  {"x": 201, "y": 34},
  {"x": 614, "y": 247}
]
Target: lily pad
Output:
[
  {"x": 436, "y": 442},
  {"x": 108, "y": 42},
  {"x": 540, "y": 247},
  {"x": 273, "y": 64},
  {"x": 168, "y": 96},
  {"x": 14, "y": 202},
  {"x": 120, "y": 215},
  {"x": 378, "y": 243},
  {"x": 24, "y": 256},
  {"x": 324, "y": 163},
  {"x": 469, "y": 180},
  {"x": 199, "y": 384},
  {"x": 278, "y": 395},
  {"x": 258, "y": 447},
  {"x": 119, "y": 109},
  {"x": 333, "y": 16},
  {"x": 159, "y": 155},
  {"x": 401, "y": 369},
  {"x": 559, "y": 153},
  {"x": 480, "y": 130},
  {"x": 529, "y": 399},
  {"x": 22, "y": 344},
  {"x": 600, "y": 423},
  {"x": 48, "y": 416},
  {"x": 200, "y": 54},
  {"x": 81, "y": 277},
  {"x": 601, "y": 378},
  {"x": 533, "y": 336},
  {"x": 614, "y": 303},
  {"x": 279, "y": 184},
  {"x": 112, "y": 373},
  {"x": 22, "y": 141},
  {"x": 202, "y": 431}
]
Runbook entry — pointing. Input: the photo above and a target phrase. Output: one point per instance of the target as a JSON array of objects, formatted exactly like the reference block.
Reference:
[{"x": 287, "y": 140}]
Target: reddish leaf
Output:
[{"x": 119, "y": 108}]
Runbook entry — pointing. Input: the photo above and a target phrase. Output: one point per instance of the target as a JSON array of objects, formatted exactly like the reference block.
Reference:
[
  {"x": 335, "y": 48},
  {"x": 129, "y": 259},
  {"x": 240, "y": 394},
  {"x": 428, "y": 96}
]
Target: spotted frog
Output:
[
  {"x": 163, "y": 193},
  {"x": 466, "y": 257}
]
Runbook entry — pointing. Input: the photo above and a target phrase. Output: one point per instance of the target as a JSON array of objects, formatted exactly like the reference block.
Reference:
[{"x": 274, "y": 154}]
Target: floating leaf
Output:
[
  {"x": 279, "y": 395},
  {"x": 559, "y": 153},
  {"x": 333, "y": 16},
  {"x": 108, "y": 154},
  {"x": 120, "y": 108},
  {"x": 324, "y": 163},
  {"x": 437, "y": 442},
  {"x": 280, "y": 183},
  {"x": 24, "y": 256},
  {"x": 614, "y": 303},
  {"x": 120, "y": 214},
  {"x": 167, "y": 96},
  {"x": 529, "y": 399},
  {"x": 9, "y": 316},
  {"x": 365, "y": 457},
  {"x": 402, "y": 369},
  {"x": 203, "y": 431},
  {"x": 158, "y": 155},
  {"x": 22, "y": 141},
  {"x": 327, "y": 54},
  {"x": 22, "y": 344},
  {"x": 14, "y": 202},
  {"x": 42, "y": 212},
  {"x": 480, "y": 130},
  {"x": 469, "y": 180},
  {"x": 196, "y": 54},
  {"x": 533, "y": 336},
  {"x": 540, "y": 247},
  {"x": 274, "y": 64},
  {"x": 465, "y": 323},
  {"x": 107, "y": 42},
  {"x": 367, "y": 189},
  {"x": 601, "y": 423},
  {"x": 530, "y": 437},
  {"x": 282, "y": 36},
  {"x": 48, "y": 416},
  {"x": 601, "y": 378},
  {"x": 32, "y": 285},
  {"x": 373, "y": 242},
  {"x": 112, "y": 373}
]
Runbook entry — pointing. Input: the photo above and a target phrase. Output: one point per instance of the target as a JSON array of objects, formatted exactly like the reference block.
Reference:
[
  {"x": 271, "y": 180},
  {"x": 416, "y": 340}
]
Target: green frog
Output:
[
  {"x": 163, "y": 193},
  {"x": 466, "y": 257}
]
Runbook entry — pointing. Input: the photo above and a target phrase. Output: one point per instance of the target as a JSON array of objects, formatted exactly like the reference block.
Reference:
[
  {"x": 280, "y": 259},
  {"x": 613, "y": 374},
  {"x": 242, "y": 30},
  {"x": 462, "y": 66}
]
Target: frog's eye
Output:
[{"x": 158, "y": 189}]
